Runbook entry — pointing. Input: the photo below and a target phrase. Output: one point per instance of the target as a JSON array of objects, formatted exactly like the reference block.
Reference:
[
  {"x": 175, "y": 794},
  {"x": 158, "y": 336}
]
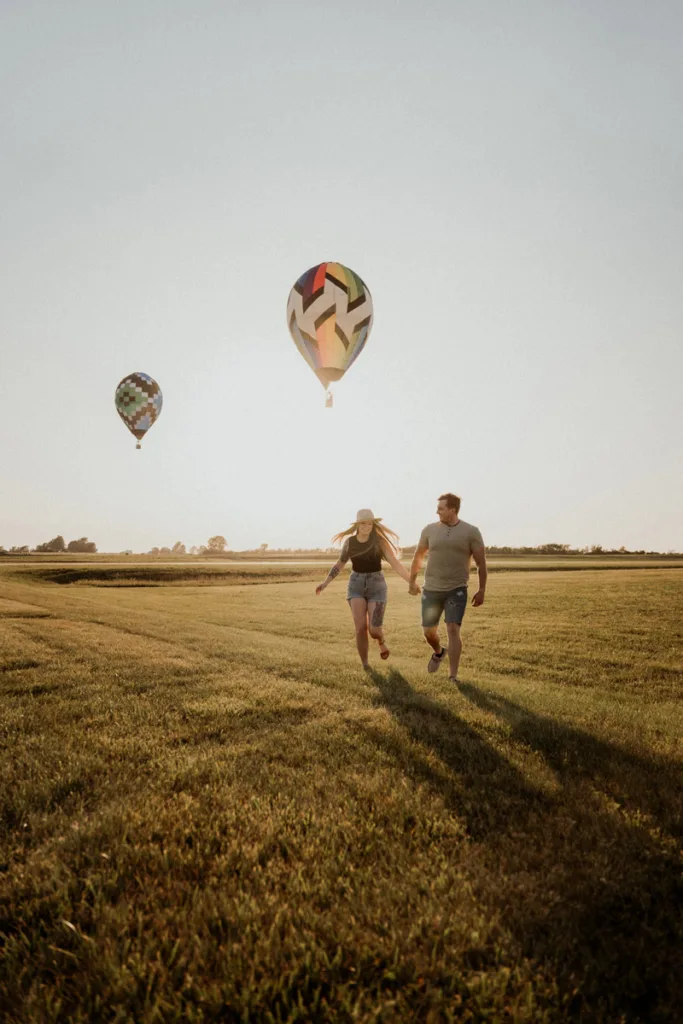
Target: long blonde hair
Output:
[{"x": 383, "y": 532}]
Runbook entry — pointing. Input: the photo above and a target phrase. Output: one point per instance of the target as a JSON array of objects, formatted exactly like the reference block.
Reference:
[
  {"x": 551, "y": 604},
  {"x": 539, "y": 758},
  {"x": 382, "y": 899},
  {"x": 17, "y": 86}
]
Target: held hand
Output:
[
  {"x": 413, "y": 589},
  {"x": 478, "y": 599},
  {"x": 319, "y": 589}
]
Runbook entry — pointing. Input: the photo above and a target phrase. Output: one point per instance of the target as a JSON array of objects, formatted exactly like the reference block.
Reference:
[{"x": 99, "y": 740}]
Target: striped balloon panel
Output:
[{"x": 329, "y": 315}]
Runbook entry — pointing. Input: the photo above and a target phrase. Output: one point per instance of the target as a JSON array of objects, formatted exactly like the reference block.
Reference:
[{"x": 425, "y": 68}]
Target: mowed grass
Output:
[{"x": 210, "y": 813}]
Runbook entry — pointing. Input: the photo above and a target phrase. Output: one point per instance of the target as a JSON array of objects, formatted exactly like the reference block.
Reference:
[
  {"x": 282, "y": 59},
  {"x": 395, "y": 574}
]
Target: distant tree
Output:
[
  {"x": 56, "y": 544},
  {"x": 153, "y": 551},
  {"x": 82, "y": 546},
  {"x": 178, "y": 548},
  {"x": 164, "y": 551},
  {"x": 263, "y": 548},
  {"x": 217, "y": 544},
  {"x": 194, "y": 550},
  {"x": 23, "y": 550},
  {"x": 596, "y": 549}
]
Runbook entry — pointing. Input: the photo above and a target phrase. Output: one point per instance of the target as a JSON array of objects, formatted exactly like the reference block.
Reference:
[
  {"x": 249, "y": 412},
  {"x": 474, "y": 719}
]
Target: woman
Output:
[{"x": 366, "y": 543}]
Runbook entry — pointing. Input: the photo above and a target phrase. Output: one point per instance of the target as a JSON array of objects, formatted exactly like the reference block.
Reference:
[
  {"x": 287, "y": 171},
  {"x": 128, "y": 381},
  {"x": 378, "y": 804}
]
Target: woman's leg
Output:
[
  {"x": 376, "y": 619},
  {"x": 359, "y": 610}
]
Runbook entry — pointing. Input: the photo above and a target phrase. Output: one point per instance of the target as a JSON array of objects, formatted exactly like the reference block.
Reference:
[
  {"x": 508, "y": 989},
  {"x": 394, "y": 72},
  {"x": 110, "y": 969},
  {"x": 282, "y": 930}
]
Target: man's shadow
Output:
[
  {"x": 648, "y": 783},
  {"x": 578, "y": 884},
  {"x": 478, "y": 783}
]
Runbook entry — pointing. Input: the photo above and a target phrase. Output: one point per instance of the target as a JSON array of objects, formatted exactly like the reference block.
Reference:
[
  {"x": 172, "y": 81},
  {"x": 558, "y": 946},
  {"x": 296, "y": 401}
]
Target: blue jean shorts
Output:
[
  {"x": 370, "y": 585},
  {"x": 435, "y": 602}
]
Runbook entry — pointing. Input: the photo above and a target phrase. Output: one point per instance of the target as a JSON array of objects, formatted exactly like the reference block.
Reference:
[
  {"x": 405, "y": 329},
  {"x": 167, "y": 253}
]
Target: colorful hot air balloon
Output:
[
  {"x": 329, "y": 315},
  {"x": 138, "y": 401}
]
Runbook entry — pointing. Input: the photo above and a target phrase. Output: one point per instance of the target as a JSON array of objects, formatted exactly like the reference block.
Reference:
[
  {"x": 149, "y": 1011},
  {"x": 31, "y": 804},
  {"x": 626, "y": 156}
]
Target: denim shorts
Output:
[
  {"x": 370, "y": 585},
  {"x": 435, "y": 602}
]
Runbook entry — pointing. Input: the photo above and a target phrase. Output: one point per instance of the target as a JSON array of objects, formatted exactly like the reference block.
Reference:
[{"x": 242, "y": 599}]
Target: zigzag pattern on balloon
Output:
[
  {"x": 138, "y": 402},
  {"x": 329, "y": 314}
]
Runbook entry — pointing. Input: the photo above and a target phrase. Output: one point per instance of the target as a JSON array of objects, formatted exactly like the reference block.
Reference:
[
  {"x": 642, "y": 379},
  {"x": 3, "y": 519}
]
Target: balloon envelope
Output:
[
  {"x": 138, "y": 401},
  {"x": 329, "y": 314}
]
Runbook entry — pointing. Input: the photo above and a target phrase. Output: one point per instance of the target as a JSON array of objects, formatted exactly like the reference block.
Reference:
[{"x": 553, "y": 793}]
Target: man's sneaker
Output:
[{"x": 436, "y": 660}]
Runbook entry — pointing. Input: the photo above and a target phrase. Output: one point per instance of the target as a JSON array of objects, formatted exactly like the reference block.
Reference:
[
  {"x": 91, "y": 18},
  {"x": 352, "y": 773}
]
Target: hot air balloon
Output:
[
  {"x": 138, "y": 401},
  {"x": 329, "y": 315}
]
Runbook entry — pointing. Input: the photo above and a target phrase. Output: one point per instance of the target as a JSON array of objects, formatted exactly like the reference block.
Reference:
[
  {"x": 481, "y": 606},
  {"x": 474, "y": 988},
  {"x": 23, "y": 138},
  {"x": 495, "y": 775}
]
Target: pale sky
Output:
[{"x": 506, "y": 177}]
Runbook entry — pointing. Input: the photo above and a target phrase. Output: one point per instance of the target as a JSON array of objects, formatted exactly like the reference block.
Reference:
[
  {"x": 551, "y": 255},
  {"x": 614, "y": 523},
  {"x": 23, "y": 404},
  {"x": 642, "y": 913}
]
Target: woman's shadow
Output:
[
  {"x": 585, "y": 884},
  {"x": 478, "y": 783}
]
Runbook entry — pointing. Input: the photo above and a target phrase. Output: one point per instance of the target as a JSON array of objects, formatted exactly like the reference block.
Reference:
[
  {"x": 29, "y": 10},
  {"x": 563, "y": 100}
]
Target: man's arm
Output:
[
  {"x": 416, "y": 565},
  {"x": 479, "y": 556}
]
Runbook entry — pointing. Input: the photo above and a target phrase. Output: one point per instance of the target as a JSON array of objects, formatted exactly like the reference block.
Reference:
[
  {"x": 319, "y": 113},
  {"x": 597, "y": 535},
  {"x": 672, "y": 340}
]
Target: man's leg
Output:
[
  {"x": 432, "y": 608},
  {"x": 456, "y": 605},
  {"x": 454, "y": 648},
  {"x": 359, "y": 610},
  {"x": 432, "y": 638}
]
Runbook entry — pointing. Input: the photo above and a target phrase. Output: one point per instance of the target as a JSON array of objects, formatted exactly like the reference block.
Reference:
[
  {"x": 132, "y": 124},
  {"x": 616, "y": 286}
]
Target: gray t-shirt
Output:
[{"x": 449, "y": 554}]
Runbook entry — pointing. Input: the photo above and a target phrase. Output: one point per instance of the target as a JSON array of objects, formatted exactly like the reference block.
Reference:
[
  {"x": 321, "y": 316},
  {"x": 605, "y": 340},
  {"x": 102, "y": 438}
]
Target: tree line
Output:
[
  {"x": 218, "y": 545},
  {"x": 560, "y": 549},
  {"x": 57, "y": 544}
]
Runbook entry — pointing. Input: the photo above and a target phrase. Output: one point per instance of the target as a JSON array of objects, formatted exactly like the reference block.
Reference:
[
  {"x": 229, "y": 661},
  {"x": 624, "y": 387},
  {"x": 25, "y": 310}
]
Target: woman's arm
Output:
[
  {"x": 332, "y": 574},
  {"x": 394, "y": 562},
  {"x": 336, "y": 568}
]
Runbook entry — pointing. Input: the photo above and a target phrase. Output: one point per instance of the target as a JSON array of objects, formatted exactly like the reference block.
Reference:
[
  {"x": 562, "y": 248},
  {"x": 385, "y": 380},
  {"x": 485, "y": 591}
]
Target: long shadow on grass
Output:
[
  {"x": 575, "y": 884},
  {"x": 479, "y": 784},
  {"x": 610, "y": 884},
  {"x": 650, "y": 784}
]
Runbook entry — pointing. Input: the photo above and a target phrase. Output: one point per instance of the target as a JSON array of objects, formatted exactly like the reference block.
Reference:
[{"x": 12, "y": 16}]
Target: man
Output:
[{"x": 451, "y": 544}]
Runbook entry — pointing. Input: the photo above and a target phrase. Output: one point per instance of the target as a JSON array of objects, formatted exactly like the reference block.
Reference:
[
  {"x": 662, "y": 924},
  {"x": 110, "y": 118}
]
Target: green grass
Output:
[{"x": 209, "y": 813}]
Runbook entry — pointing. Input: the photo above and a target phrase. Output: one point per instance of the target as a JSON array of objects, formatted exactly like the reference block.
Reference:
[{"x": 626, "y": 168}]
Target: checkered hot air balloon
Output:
[
  {"x": 329, "y": 315},
  {"x": 138, "y": 401}
]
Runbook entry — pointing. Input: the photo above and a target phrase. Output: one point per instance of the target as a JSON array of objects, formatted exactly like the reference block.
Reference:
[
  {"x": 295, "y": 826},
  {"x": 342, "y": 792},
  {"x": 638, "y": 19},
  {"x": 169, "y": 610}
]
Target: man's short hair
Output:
[{"x": 452, "y": 501}]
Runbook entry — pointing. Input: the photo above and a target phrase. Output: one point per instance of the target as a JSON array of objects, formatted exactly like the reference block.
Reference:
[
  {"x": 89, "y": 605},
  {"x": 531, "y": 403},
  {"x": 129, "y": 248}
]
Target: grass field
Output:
[{"x": 208, "y": 812}]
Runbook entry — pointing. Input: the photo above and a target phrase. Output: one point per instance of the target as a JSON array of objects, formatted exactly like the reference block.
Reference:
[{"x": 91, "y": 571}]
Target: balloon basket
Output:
[
  {"x": 329, "y": 400},
  {"x": 138, "y": 445}
]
